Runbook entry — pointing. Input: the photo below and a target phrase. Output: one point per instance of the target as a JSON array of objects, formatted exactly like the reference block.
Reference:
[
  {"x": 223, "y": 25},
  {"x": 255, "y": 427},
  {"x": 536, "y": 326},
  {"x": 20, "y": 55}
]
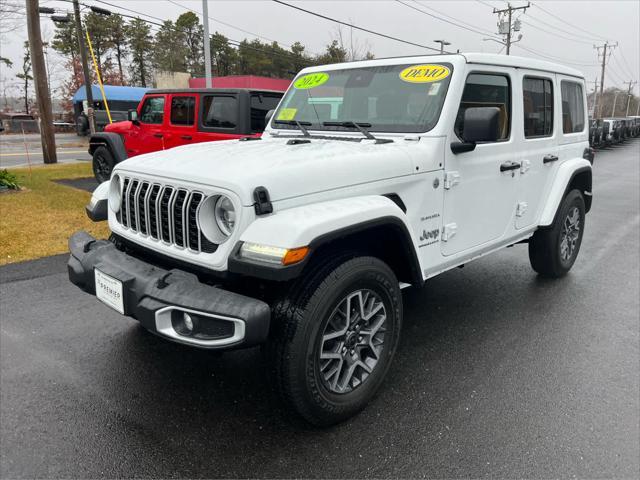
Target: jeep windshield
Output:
[{"x": 387, "y": 98}]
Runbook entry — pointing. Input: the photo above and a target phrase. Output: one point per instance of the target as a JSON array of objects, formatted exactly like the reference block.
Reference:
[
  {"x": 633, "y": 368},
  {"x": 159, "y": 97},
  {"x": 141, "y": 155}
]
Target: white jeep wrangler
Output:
[{"x": 372, "y": 176}]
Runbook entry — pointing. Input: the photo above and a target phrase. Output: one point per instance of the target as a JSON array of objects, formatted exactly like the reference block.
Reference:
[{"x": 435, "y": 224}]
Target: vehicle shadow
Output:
[{"x": 454, "y": 330}]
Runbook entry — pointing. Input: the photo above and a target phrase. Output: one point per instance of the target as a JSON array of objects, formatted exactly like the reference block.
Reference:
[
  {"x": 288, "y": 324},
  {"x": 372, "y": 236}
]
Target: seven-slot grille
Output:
[{"x": 164, "y": 213}]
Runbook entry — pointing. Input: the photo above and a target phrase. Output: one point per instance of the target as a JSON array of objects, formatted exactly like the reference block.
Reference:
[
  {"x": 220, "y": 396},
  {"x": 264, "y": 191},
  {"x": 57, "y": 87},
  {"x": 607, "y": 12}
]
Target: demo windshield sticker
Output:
[
  {"x": 424, "y": 73},
  {"x": 311, "y": 80},
  {"x": 287, "y": 114}
]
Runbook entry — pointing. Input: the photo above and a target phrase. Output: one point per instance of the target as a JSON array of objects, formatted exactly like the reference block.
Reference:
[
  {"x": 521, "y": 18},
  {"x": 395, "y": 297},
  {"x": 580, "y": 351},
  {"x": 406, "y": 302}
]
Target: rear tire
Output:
[
  {"x": 553, "y": 251},
  {"x": 333, "y": 338},
  {"x": 103, "y": 163}
]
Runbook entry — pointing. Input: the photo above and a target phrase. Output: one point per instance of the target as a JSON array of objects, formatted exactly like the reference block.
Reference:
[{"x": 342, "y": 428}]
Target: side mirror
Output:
[
  {"x": 481, "y": 124},
  {"x": 267, "y": 117},
  {"x": 132, "y": 116}
]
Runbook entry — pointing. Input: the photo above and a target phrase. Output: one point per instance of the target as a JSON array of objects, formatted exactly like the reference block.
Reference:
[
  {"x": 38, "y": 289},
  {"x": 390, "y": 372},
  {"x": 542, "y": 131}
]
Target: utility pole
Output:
[
  {"x": 604, "y": 64},
  {"x": 85, "y": 66},
  {"x": 208, "y": 80},
  {"x": 506, "y": 28},
  {"x": 631, "y": 83},
  {"x": 442, "y": 44},
  {"x": 595, "y": 97},
  {"x": 615, "y": 100},
  {"x": 47, "y": 135}
]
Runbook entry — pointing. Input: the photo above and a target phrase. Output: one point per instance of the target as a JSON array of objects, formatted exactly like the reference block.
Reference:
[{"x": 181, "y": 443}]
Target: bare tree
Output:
[
  {"x": 355, "y": 48},
  {"x": 25, "y": 75}
]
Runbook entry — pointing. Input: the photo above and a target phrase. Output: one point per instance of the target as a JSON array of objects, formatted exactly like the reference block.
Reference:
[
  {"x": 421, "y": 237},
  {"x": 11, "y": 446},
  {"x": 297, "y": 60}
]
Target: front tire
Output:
[
  {"x": 553, "y": 251},
  {"x": 334, "y": 338},
  {"x": 103, "y": 163}
]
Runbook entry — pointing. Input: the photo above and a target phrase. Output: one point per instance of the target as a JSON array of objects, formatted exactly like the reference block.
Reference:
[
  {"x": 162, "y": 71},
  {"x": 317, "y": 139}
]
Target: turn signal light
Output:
[{"x": 295, "y": 255}]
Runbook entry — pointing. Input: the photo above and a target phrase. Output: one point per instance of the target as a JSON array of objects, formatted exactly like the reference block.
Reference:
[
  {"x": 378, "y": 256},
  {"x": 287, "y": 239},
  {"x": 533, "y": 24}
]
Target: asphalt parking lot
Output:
[{"x": 499, "y": 374}]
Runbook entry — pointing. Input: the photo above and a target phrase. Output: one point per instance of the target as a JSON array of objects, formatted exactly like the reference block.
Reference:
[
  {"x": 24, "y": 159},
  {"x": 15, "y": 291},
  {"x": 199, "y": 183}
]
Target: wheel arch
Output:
[
  {"x": 574, "y": 174},
  {"x": 112, "y": 141},
  {"x": 370, "y": 225}
]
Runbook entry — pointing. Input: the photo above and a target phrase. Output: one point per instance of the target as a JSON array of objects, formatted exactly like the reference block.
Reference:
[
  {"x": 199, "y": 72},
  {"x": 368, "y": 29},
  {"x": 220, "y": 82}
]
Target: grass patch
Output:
[{"x": 38, "y": 221}]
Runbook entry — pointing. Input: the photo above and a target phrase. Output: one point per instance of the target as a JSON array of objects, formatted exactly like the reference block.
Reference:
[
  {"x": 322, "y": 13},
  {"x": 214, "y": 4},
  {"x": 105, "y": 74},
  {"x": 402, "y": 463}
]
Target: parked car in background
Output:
[
  {"x": 596, "y": 131},
  {"x": 168, "y": 118},
  {"x": 120, "y": 100},
  {"x": 18, "y": 123}
]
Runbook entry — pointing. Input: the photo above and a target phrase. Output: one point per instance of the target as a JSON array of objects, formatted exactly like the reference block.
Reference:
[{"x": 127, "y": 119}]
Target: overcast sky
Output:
[{"x": 564, "y": 31}]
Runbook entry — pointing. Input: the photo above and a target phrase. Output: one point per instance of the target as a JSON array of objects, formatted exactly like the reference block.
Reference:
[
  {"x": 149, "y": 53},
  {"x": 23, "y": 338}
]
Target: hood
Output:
[
  {"x": 118, "y": 127},
  {"x": 285, "y": 170}
]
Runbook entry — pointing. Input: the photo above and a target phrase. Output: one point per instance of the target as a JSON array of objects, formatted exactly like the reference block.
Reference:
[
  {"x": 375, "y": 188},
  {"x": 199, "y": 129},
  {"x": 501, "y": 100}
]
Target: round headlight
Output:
[
  {"x": 217, "y": 218},
  {"x": 115, "y": 194},
  {"x": 225, "y": 215}
]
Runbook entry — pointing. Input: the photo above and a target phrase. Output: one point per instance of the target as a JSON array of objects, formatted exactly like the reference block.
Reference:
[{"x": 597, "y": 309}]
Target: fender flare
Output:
[
  {"x": 113, "y": 142},
  {"x": 565, "y": 175},
  {"x": 319, "y": 224}
]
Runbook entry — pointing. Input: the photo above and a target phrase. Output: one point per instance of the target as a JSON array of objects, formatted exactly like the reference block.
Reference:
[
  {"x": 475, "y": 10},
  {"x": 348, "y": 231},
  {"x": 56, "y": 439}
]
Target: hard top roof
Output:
[
  {"x": 211, "y": 90},
  {"x": 457, "y": 58}
]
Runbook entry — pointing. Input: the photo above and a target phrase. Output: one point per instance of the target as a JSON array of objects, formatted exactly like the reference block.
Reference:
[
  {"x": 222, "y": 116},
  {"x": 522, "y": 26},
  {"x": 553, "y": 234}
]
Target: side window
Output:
[
  {"x": 183, "y": 110},
  {"x": 486, "y": 90},
  {"x": 152, "y": 110},
  {"x": 572, "y": 107},
  {"x": 220, "y": 112},
  {"x": 537, "y": 94},
  {"x": 260, "y": 105}
]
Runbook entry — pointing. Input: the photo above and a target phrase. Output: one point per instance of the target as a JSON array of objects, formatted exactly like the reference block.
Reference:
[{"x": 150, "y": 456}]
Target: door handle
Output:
[
  {"x": 506, "y": 166},
  {"x": 186, "y": 137},
  {"x": 550, "y": 158},
  {"x": 157, "y": 135}
]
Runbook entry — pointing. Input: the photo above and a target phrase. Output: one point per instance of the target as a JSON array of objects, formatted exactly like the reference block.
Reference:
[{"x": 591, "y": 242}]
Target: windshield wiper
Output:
[
  {"x": 360, "y": 126},
  {"x": 296, "y": 123}
]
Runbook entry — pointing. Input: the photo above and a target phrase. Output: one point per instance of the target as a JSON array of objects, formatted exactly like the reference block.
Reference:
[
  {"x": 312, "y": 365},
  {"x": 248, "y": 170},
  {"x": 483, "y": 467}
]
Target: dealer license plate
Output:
[{"x": 109, "y": 291}]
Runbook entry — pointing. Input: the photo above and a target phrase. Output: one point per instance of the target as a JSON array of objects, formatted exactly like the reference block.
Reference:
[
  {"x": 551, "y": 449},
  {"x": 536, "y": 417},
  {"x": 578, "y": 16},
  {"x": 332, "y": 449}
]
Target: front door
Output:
[
  {"x": 149, "y": 135},
  {"x": 480, "y": 186}
]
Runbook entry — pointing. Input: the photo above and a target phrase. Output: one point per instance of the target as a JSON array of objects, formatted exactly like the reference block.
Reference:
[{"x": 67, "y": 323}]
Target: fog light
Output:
[{"x": 188, "y": 322}]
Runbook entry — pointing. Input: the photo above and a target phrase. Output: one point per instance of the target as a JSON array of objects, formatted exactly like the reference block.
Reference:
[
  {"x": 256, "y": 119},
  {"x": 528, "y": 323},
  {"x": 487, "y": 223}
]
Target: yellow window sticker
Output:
[
  {"x": 311, "y": 80},
  {"x": 424, "y": 73},
  {"x": 287, "y": 114}
]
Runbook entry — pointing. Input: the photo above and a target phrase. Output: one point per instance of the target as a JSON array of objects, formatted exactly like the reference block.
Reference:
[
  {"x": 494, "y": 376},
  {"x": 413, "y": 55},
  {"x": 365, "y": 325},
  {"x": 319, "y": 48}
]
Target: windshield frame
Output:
[{"x": 418, "y": 128}]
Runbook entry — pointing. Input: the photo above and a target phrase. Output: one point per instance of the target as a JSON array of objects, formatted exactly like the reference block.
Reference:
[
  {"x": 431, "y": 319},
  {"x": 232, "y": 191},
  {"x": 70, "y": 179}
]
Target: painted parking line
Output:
[{"x": 17, "y": 154}]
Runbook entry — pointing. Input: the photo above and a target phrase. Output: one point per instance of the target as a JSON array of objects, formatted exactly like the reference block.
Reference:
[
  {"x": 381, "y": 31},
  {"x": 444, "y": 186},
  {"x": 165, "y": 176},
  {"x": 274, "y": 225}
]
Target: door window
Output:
[
  {"x": 260, "y": 105},
  {"x": 486, "y": 90},
  {"x": 183, "y": 110},
  {"x": 220, "y": 112},
  {"x": 152, "y": 110},
  {"x": 537, "y": 94},
  {"x": 572, "y": 107}
]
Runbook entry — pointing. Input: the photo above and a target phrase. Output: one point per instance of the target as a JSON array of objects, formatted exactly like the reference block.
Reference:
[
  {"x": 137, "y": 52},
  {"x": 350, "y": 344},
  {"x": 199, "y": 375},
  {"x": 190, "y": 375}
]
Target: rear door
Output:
[
  {"x": 260, "y": 104},
  {"x": 181, "y": 128},
  {"x": 219, "y": 117},
  {"x": 539, "y": 153},
  {"x": 148, "y": 137}
]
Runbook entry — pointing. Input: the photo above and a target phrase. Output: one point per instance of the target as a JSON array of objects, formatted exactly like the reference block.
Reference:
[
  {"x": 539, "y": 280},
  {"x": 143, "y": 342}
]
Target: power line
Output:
[
  {"x": 564, "y": 22},
  {"x": 229, "y": 25},
  {"x": 235, "y": 43},
  {"x": 470, "y": 28},
  {"x": 556, "y": 34},
  {"x": 384, "y": 35},
  {"x": 555, "y": 59},
  {"x": 626, "y": 64}
]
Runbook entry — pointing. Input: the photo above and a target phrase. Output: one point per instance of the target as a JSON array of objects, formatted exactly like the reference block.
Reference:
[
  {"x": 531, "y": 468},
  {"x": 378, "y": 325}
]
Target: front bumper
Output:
[{"x": 158, "y": 298}]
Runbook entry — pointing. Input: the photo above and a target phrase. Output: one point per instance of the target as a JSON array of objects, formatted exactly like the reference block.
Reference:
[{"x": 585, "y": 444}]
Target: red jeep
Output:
[{"x": 168, "y": 118}]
